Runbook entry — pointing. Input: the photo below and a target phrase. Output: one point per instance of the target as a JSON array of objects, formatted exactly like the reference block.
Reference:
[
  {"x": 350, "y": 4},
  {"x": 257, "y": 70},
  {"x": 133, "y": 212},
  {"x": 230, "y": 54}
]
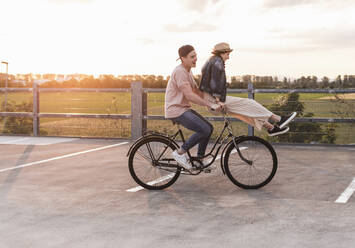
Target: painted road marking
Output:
[
  {"x": 11, "y": 141},
  {"x": 22, "y": 140},
  {"x": 344, "y": 197},
  {"x": 152, "y": 182},
  {"x": 60, "y": 157},
  {"x": 135, "y": 189}
]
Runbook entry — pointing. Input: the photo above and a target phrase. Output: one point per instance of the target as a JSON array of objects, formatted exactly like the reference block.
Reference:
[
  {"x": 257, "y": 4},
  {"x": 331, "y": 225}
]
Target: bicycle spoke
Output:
[
  {"x": 144, "y": 156},
  {"x": 146, "y": 163},
  {"x": 262, "y": 175},
  {"x": 261, "y": 168},
  {"x": 236, "y": 171}
]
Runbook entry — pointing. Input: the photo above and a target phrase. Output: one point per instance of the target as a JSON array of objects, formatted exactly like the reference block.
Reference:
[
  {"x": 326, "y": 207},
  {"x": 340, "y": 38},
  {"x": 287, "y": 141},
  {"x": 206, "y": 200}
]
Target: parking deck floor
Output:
[{"x": 63, "y": 192}]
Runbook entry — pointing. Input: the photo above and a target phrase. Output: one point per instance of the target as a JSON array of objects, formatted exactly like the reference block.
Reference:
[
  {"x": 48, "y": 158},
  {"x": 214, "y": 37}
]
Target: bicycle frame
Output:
[
  {"x": 223, "y": 141},
  {"x": 220, "y": 139},
  {"x": 172, "y": 139}
]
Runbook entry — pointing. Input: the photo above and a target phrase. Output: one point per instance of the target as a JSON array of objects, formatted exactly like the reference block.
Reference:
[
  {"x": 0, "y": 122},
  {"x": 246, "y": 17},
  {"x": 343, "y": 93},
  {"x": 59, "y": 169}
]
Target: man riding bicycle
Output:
[{"x": 180, "y": 91}]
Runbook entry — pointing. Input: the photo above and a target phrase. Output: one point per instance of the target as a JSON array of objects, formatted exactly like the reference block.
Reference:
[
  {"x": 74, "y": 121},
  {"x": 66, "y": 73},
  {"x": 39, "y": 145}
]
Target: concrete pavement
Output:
[{"x": 82, "y": 201}]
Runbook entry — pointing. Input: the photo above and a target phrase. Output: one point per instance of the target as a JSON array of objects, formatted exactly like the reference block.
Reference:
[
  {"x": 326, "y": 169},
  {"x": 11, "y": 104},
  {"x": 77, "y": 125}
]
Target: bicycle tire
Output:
[
  {"x": 235, "y": 164},
  {"x": 136, "y": 172}
]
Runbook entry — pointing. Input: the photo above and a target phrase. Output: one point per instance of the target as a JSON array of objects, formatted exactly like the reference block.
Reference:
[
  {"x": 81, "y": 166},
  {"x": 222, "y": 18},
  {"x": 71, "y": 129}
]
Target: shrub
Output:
[
  {"x": 301, "y": 132},
  {"x": 17, "y": 125}
]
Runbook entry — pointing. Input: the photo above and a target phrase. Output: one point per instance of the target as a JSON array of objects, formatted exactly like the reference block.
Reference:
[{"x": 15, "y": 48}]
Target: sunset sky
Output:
[{"x": 271, "y": 37}]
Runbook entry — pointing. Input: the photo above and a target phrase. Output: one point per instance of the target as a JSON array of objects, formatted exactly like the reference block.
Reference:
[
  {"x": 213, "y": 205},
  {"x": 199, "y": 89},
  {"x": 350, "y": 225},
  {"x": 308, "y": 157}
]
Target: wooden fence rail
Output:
[{"x": 139, "y": 115}]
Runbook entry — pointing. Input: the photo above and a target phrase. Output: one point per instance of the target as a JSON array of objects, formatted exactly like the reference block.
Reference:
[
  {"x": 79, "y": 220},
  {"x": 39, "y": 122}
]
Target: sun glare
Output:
[{"x": 138, "y": 37}]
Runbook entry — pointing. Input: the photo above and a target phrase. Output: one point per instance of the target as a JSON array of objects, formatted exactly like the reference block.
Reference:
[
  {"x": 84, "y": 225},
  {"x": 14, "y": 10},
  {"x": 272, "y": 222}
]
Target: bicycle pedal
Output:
[{"x": 207, "y": 170}]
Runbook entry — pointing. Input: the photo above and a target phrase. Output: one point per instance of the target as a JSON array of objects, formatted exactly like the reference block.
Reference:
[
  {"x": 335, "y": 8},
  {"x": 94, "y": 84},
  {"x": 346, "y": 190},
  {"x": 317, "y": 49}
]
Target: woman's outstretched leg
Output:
[{"x": 270, "y": 128}]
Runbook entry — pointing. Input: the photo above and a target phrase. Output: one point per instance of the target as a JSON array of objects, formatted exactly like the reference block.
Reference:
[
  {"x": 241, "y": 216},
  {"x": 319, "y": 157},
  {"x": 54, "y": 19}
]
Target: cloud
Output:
[
  {"x": 196, "y": 26},
  {"x": 286, "y": 49},
  {"x": 305, "y": 41},
  {"x": 198, "y": 22},
  {"x": 292, "y": 3},
  {"x": 323, "y": 38},
  {"x": 197, "y": 5},
  {"x": 71, "y": 1},
  {"x": 146, "y": 41},
  {"x": 207, "y": 17},
  {"x": 286, "y": 3}
]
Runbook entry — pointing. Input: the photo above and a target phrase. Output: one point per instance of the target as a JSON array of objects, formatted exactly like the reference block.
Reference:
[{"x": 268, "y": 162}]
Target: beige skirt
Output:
[{"x": 247, "y": 110}]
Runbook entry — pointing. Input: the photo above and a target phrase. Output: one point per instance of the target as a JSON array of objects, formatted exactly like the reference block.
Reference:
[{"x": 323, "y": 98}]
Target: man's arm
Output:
[
  {"x": 195, "y": 98},
  {"x": 198, "y": 92}
]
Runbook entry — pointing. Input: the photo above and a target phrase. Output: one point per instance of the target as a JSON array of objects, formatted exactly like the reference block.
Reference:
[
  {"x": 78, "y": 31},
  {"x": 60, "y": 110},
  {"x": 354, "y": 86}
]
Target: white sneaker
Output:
[
  {"x": 207, "y": 161},
  {"x": 182, "y": 160},
  {"x": 276, "y": 131},
  {"x": 286, "y": 119}
]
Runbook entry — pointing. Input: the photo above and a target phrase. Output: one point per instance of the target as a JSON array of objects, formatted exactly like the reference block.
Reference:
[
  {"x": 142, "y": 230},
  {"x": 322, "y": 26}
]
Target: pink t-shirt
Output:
[{"x": 175, "y": 102}]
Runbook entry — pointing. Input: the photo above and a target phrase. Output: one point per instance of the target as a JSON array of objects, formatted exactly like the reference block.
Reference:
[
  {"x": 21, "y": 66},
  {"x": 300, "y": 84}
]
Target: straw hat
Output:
[{"x": 221, "y": 48}]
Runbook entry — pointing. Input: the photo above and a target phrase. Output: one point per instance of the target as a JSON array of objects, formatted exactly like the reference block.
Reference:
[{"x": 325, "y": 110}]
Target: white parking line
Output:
[
  {"x": 13, "y": 141},
  {"x": 344, "y": 197},
  {"x": 38, "y": 141},
  {"x": 135, "y": 189},
  {"x": 60, "y": 157},
  {"x": 152, "y": 182}
]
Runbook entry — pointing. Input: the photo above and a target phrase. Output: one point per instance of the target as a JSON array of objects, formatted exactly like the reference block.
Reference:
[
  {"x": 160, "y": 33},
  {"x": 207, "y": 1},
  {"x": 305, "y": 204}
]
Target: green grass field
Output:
[{"x": 120, "y": 103}]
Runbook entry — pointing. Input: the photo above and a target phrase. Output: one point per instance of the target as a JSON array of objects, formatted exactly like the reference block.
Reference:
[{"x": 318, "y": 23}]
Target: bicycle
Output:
[{"x": 250, "y": 162}]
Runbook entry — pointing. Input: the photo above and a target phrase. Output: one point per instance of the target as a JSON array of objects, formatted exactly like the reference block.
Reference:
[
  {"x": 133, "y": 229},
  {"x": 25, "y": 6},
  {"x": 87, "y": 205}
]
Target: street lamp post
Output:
[{"x": 7, "y": 65}]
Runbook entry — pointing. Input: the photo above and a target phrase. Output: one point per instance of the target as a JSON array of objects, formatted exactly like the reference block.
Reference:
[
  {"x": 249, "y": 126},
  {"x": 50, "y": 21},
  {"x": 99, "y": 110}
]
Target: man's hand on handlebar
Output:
[{"x": 219, "y": 106}]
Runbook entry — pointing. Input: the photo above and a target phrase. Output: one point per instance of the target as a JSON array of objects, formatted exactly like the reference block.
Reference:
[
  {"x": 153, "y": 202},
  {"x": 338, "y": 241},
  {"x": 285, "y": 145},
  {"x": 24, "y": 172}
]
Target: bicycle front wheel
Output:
[
  {"x": 151, "y": 164},
  {"x": 251, "y": 163}
]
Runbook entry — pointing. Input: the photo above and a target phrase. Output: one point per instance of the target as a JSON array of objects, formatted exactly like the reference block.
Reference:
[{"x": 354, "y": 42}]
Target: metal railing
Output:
[{"x": 139, "y": 115}]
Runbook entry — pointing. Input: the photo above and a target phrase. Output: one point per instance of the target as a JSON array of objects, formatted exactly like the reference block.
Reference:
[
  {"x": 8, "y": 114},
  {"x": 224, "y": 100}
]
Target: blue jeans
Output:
[{"x": 195, "y": 122}]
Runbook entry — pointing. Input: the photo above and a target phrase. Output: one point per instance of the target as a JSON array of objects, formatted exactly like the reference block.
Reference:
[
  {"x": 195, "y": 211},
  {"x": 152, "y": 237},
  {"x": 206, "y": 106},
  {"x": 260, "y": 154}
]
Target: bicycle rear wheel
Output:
[
  {"x": 252, "y": 164},
  {"x": 151, "y": 164}
]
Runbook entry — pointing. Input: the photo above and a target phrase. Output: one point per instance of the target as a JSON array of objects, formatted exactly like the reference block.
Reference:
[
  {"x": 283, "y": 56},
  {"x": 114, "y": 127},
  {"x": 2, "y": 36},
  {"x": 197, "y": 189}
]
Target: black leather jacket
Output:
[{"x": 213, "y": 79}]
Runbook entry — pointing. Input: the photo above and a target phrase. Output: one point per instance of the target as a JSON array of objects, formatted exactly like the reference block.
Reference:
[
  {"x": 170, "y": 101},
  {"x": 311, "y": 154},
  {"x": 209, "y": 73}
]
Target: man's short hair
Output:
[{"x": 185, "y": 50}]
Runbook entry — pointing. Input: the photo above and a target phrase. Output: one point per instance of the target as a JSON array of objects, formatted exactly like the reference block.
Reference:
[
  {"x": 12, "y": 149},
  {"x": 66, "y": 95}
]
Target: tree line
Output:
[
  {"x": 345, "y": 81},
  {"x": 153, "y": 81}
]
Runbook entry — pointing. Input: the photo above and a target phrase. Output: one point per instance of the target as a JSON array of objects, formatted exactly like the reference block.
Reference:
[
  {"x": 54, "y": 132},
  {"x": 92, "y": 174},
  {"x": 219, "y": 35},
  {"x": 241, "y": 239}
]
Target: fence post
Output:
[
  {"x": 138, "y": 110},
  {"x": 250, "y": 96},
  {"x": 35, "y": 109}
]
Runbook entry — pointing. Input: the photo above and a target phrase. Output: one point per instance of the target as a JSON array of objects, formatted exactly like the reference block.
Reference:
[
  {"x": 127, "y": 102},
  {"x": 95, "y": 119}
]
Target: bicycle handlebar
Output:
[{"x": 223, "y": 111}]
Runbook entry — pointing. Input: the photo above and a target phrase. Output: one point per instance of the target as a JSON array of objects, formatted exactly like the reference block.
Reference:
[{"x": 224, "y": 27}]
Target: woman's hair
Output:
[{"x": 218, "y": 54}]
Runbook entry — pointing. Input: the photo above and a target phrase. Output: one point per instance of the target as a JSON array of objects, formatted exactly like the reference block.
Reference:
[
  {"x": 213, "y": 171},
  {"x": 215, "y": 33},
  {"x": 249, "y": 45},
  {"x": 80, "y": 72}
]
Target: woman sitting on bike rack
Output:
[{"x": 213, "y": 84}]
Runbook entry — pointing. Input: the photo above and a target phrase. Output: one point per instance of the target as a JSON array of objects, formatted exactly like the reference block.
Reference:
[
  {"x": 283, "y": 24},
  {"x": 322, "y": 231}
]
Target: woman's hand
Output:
[
  {"x": 215, "y": 107},
  {"x": 218, "y": 106},
  {"x": 222, "y": 106}
]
